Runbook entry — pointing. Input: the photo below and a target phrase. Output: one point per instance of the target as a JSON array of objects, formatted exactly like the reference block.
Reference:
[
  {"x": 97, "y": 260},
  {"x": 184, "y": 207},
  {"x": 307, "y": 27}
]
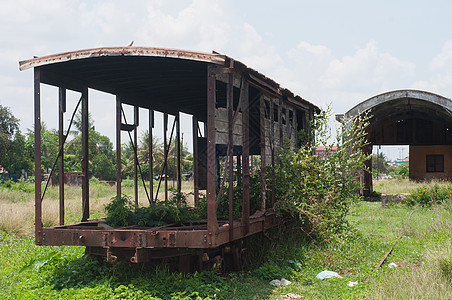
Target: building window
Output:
[{"x": 435, "y": 163}]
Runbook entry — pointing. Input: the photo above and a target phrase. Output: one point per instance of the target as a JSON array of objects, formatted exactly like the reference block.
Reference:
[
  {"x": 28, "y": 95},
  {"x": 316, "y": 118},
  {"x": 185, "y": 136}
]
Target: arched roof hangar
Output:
[{"x": 407, "y": 117}]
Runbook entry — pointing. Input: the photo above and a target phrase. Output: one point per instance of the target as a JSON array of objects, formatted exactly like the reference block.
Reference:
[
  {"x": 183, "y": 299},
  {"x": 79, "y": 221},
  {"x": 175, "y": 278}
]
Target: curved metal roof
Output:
[
  {"x": 121, "y": 51},
  {"x": 168, "y": 80},
  {"x": 394, "y": 101}
]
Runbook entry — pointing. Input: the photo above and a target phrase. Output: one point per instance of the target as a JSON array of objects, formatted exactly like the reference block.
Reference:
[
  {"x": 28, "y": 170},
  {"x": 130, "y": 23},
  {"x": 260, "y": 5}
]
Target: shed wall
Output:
[{"x": 418, "y": 163}]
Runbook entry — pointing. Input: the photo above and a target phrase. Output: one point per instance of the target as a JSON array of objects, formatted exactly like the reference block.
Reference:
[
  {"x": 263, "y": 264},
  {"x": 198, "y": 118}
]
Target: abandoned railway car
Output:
[{"x": 237, "y": 114}]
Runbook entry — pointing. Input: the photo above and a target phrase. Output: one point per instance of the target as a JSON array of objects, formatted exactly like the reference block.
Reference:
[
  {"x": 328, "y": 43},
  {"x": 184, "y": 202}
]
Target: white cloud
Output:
[
  {"x": 346, "y": 81},
  {"x": 311, "y": 70},
  {"x": 443, "y": 59},
  {"x": 440, "y": 77},
  {"x": 199, "y": 25},
  {"x": 368, "y": 68}
]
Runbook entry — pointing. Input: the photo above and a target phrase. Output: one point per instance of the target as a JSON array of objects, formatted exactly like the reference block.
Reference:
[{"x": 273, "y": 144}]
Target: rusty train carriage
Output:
[{"x": 244, "y": 114}]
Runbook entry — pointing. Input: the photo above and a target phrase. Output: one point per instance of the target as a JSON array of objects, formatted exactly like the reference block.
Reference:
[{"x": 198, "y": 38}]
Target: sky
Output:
[{"x": 336, "y": 53}]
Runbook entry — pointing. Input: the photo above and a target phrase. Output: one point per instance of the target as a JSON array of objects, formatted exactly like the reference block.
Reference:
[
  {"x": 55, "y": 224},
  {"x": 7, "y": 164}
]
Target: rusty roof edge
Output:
[
  {"x": 298, "y": 99},
  {"x": 214, "y": 57},
  {"x": 122, "y": 51}
]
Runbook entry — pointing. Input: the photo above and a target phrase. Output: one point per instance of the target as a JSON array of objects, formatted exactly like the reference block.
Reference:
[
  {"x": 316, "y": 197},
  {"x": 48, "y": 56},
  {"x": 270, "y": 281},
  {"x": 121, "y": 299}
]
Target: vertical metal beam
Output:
[
  {"x": 212, "y": 223},
  {"x": 165, "y": 151},
  {"x": 85, "y": 157},
  {"x": 151, "y": 154},
  {"x": 38, "y": 174},
  {"x": 295, "y": 128},
  {"x": 245, "y": 157},
  {"x": 281, "y": 136},
  {"x": 287, "y": 132},
  {"x": 230, "y": 106},
  {"x": 195, "y": 160},
  {"x": 118, "y": 146},
  {"x": 61, "y": 111},
  {"x": 135, "y": 160},
  {"x": 263, "y": 122},
  {"x": 272, "y": 146},
  {"x": 178, "y": 154}
]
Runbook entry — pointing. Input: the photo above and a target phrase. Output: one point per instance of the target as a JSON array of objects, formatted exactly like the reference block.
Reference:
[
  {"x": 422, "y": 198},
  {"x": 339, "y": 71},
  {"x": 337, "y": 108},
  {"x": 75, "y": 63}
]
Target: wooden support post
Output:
[
  {"x": 118, "y": 146},
  {"x": 245, "y": 157},
  {"x": 195, "y": 160},
  {"x": 212, "y": 222},
  {"x": 280, "y": 125},
  {"x": 287, "y": 132},
  {"x": 230, "y": 106},
  {"x": 272, "y": 147},
  {"x": 85, "y": 157},
  {"x": 61, "y": 111},
  {"x": 263, "y": 121},
  {"x": 295, "y": 127},
  {"x": 38, "y": 174}
]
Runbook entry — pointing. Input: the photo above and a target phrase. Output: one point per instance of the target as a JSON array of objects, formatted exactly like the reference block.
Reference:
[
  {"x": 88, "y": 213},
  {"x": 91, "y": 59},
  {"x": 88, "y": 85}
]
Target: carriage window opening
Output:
[
  {"x": 283, "y": 116},
  {"x": 275, "y": 113},
  {"x": 267, "y": 109}
]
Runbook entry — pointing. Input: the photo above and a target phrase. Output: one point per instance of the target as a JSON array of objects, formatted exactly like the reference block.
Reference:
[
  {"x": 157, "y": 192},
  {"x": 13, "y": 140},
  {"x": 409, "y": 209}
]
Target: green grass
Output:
[{"x": 423, "y": 256}]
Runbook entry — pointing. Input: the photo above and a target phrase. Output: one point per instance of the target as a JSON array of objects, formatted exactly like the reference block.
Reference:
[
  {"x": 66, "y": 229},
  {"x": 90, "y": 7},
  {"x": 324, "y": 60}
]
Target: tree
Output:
[
  {"x": 14, "y": 155},
  {"x": 379, "y": 164},
  {"x": 8, "y": 126},
  {"x": 402, "y": 170},
  {"x": 49, "y": 146},
  {"x": 101, "y": 155},
  {"x": 18, "y": 157}
]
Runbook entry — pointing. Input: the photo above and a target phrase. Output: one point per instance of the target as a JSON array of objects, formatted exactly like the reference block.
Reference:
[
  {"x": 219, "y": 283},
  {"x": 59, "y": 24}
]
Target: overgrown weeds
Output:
[
  {"x": 422, "y": 256},
  {"x": 426, "y": 195},
  {"x": 319, "y": 191}
]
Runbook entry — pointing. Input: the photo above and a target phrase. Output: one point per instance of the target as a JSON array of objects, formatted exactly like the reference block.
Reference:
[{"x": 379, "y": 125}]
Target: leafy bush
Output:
[
  {"x": 403, "y": 171},
  {"x": 21, "y": 185},
  {"x": 122, "y": 212},
  {"x": 119, "y": 211},
  {"x": 428, "y": 195},
  {"x": 319, "y": 191},
  {"x": 223, "y": 205}
]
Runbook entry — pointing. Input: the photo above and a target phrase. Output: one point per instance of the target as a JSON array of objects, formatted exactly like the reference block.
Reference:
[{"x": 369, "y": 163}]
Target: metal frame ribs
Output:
[{"x": 247, "y": 117}]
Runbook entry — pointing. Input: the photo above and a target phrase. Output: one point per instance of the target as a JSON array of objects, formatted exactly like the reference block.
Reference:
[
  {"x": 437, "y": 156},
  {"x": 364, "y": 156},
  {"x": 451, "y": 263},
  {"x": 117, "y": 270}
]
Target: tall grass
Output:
[
  {"x": 17, "y": 210},
  {"x": 398, "y": 186},
  {"x": 423, "y": 256},
  {"x": 428, "y": 281}
]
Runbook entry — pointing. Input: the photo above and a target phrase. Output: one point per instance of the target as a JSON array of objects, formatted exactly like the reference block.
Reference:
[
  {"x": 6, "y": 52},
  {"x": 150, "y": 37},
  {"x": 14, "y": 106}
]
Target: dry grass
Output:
[
  {"x": 425, "y": 282},
  {"x": 398, "y": 186},
  {"x": 17, "y": 218},
  {"x": 17, "y": 207}
]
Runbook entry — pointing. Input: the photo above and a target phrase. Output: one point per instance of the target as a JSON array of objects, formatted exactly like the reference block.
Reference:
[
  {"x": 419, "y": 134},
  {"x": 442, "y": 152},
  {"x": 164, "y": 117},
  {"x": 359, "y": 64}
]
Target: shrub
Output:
[
  {"x": 426, "y": 196},
  {"x": 122, "y": 212},
  {"x": 318, "y": 191},
  {"x": 21, "y": 185}
]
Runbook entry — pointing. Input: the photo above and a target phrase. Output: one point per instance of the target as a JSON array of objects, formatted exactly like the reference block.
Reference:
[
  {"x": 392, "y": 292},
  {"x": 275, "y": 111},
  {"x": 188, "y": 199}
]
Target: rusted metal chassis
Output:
[{"x": 145, "y": 244}]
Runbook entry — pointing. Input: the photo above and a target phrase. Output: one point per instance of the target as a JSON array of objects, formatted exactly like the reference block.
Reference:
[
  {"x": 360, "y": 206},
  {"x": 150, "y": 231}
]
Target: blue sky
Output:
[{"x": 328, "y": 52}]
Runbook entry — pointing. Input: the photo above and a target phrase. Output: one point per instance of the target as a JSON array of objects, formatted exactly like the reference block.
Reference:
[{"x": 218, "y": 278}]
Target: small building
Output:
[
  {"x": 323, "y": 151},
  {"x": 420, "y": 119}
]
